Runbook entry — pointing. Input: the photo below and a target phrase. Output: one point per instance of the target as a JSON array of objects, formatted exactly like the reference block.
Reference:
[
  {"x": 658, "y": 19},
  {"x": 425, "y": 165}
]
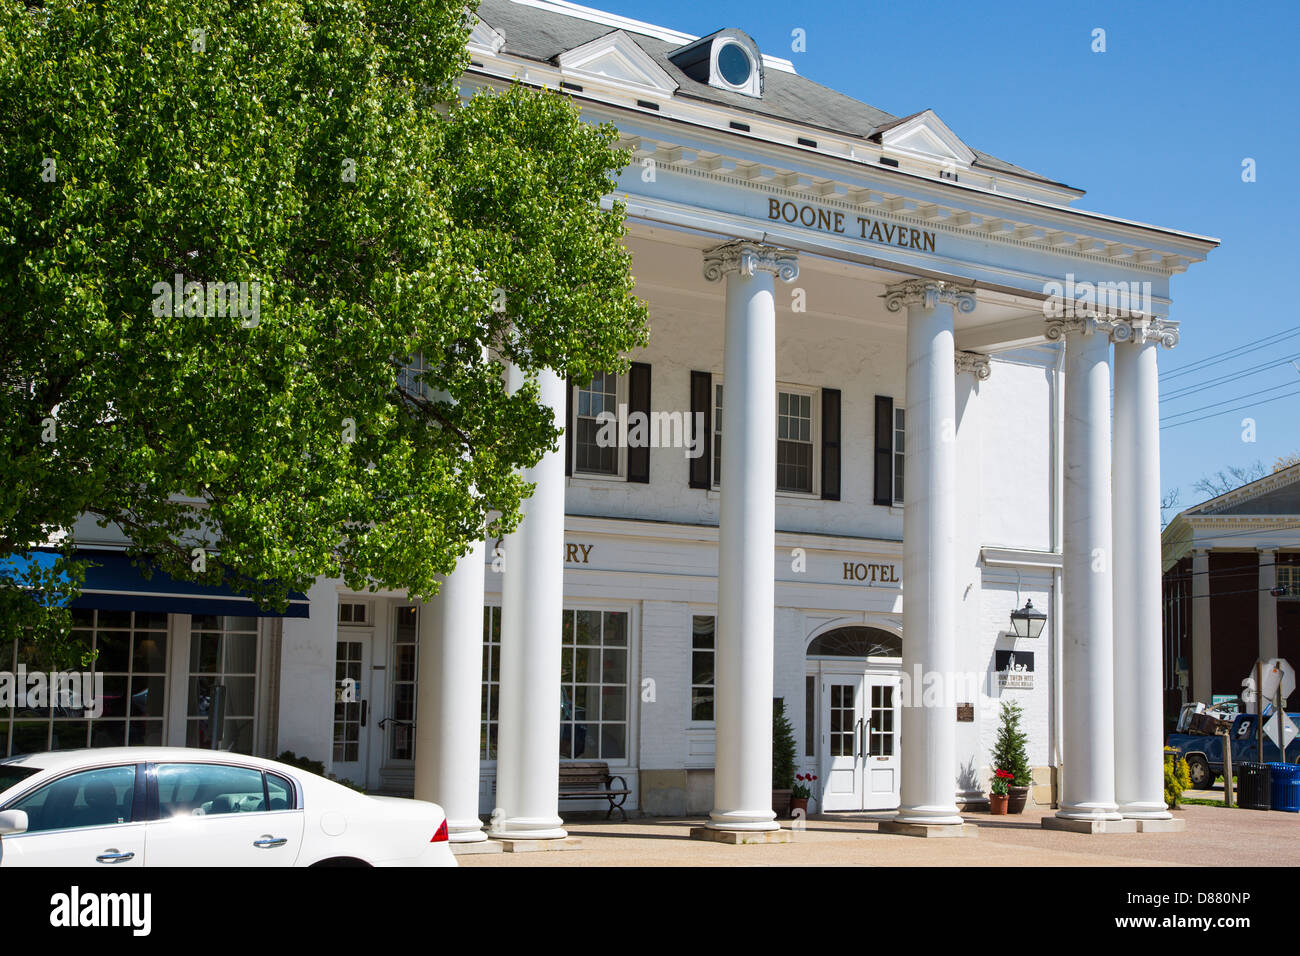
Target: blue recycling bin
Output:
[{"x": 1284, "y": 786}]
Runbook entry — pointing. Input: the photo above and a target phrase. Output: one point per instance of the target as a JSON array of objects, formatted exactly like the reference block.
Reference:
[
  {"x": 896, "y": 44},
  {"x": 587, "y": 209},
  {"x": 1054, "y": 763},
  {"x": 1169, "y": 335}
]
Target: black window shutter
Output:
[
  {"x": 638, "y": 394},
  {"x": 568, "y": 426},
  {"x": 884, "y": 489},
  {"x": 701, "y": 411},
  {"x": 831, "y": 444}
]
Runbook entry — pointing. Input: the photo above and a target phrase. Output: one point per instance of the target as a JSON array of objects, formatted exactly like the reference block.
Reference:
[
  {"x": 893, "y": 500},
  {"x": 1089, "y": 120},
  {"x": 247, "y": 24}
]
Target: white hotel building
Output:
[{"x": 901, "y": 446}]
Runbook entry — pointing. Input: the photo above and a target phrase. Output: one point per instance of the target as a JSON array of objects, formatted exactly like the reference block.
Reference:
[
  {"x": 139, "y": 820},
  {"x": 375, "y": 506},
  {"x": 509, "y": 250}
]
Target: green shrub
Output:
[
  {"x": 783, "y": 749},
  {"x": 1009, "y": 747},
  {"x": 1177, "y": 777},
  {"x": 302, "y": 763}
]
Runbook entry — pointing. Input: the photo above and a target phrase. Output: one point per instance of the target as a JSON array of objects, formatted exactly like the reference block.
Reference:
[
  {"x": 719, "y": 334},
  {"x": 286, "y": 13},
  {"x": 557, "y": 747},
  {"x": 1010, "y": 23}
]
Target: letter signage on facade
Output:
[{"x": 829, "y": 220}]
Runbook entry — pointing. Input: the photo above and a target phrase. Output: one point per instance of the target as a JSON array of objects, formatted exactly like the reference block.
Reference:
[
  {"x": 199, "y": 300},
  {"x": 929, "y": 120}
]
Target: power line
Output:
[
  {"x": 1231, "y": 354},
  {"x": 1244, "y": 373},
  {"x": 1226, "y": 411}
]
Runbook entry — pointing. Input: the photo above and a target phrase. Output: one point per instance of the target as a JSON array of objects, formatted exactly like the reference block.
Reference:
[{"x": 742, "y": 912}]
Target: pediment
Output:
[
  {"x": 616, "y": 57},
  {"x": 928, "y": 136}
]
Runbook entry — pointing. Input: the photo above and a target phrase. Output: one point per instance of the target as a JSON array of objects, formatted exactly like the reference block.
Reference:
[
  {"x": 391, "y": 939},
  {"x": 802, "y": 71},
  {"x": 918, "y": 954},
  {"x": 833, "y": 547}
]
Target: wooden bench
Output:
[{"x": 591, "y": 780}]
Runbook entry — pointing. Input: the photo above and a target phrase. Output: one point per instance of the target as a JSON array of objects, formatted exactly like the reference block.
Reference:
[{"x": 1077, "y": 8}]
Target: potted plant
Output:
[
  {"x": 998, "y": 795},
  {"x": 1009, "y": 754},
  {"x": 782, "y": 759},
  {"x": 801, "y": 793}
]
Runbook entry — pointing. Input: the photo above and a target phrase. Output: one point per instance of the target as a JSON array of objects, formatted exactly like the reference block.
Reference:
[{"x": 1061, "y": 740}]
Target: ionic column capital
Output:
[
  {"x": 977, "y": 363},
  {"x": 929, "y": 293},
  {"x": 747, "y": 258},
  {"x": 1138, "y": 329}
]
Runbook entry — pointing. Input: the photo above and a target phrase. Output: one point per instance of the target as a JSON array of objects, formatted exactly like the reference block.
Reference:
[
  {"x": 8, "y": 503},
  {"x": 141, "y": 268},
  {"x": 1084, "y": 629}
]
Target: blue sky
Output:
[{"x": 1155, "y": 129}]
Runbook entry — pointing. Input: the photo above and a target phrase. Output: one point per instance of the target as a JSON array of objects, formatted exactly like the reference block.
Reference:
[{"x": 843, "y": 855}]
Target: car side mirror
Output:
[{"x": 13, "y": 821}]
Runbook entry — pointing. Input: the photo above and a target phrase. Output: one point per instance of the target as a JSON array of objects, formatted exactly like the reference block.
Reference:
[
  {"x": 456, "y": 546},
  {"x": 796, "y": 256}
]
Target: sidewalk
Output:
[{"x": 1214, "y": 837}]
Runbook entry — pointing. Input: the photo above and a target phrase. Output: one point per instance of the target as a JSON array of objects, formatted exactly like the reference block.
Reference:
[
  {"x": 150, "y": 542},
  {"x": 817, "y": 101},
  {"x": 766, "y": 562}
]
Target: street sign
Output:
[{"x": 1278, "y": 677}]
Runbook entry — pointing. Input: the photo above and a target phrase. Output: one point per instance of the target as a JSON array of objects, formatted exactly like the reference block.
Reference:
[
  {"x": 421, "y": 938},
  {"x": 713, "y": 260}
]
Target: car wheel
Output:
[{"x": 1199, "y": 770}]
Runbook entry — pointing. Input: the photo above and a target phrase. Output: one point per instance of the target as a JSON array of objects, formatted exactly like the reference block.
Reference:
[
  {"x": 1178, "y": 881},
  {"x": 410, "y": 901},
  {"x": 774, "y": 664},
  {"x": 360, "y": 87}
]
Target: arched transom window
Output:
[{"x": 856, "y": 641}]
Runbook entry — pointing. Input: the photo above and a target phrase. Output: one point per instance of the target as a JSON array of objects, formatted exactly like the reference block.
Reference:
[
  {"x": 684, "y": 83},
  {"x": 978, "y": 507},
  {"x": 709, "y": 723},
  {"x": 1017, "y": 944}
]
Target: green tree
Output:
[
  {"x": 319, "y": 152},
  {"x": 1009, "y": 746},
  {"x": 783, "y": 747}
]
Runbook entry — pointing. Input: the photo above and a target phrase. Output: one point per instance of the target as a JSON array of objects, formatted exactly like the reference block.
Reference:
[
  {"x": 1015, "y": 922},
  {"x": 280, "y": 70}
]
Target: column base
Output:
[
  {"x": 1161, "y": 826},
  {"x": 929, "y": 816},
  {"x": 1145, "y": 811},
  {"x": 741, "y": 837},
  {"x": 466, "y": 831},
  {"x": 1094, "y": 825},
  {"x": 749, "y": 821},
  {"x": 530, "y": 828},
  {"x": 537, "y": 846},
  {"x": 901, "y": 828},
  {"x": 473, "y": 849}
]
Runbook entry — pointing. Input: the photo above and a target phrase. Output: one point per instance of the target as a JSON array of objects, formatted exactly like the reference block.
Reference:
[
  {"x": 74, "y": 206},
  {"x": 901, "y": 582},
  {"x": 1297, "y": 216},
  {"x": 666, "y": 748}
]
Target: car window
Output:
[
  {"x": 208, "y": 789},
  {"x": 280, "y": 792},
  {"x": 91, "y": 798}
]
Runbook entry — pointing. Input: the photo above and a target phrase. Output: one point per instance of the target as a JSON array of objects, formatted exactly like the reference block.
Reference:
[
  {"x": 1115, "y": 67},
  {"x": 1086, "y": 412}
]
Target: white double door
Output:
[{"x": 859, "y": 741}]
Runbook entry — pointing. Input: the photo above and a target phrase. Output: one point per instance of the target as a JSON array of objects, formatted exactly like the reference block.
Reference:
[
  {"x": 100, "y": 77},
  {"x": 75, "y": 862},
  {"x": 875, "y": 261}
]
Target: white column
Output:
[
  {"x": 1267, "y": 604},
  {"x": 308, "y": 650},
  {"x": 450, "y": 689},
  {"x": 1087, "y": 664},
  {"x": 1201, "y": 677},
  {"x": 929, "y": 727},
  {"x": 742, "y": 787},
  {"x": 532, "y": 603},
  {"x": 1139, "y": 686}
]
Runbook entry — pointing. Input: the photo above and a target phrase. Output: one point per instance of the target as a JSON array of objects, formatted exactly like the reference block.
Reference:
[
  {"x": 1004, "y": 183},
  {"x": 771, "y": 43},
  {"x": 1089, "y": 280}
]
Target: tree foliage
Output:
[
  {"x": 319, "y": 149},
  {"x": 1009, "y": 752},
  {"x": 783, "y": 747}
]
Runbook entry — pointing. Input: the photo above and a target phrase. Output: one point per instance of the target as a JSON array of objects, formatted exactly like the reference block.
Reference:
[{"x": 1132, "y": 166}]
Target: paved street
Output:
[{"x": 1214, "y": 837}]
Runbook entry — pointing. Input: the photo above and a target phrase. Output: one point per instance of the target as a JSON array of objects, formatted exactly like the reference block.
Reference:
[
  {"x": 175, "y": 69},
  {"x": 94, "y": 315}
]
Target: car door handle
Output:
[
  {"x": 268, "y": 842},
  {"x": 114, "y": 856}
]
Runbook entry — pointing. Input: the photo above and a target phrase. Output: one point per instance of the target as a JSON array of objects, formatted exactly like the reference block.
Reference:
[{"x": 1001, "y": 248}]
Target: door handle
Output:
[
  {"x": 268, "y": 842},
  {"x": 862, "y": 745},
  {"x": 114, "y": 856},
  {"x": 365, "y": 707}
]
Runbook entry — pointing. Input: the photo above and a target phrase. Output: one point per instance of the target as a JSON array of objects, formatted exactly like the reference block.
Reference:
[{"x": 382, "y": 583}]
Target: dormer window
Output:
[
  {"x": 727, "y": 60},
  {"x": 734, "y": 65}
]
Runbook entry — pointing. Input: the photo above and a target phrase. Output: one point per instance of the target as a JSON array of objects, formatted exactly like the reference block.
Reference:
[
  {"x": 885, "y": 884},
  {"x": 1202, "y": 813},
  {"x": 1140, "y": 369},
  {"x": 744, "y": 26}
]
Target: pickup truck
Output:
[{"x": 1204, "y": 752}]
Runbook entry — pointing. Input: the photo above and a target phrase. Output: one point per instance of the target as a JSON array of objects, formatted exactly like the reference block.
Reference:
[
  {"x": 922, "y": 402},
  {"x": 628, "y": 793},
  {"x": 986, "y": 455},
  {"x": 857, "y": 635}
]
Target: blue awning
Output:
[{"x": 113, "y": 583}]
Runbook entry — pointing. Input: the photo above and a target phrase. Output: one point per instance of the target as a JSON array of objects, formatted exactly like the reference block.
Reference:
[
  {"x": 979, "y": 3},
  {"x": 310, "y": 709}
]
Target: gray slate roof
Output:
[{"x": 542, "y": 35}]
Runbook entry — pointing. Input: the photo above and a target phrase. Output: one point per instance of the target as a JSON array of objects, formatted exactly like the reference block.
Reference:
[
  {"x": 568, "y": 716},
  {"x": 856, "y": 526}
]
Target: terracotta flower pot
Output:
[
  {"x": 799, "y": 807},
  {"x": 1018, "y": 797},
  {"x": 998, "y": 802}
]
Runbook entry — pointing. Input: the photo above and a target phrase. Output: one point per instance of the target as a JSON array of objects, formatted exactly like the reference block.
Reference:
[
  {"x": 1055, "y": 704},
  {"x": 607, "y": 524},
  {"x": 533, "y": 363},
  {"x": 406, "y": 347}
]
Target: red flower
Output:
[{"x": 1005, "y": 774}]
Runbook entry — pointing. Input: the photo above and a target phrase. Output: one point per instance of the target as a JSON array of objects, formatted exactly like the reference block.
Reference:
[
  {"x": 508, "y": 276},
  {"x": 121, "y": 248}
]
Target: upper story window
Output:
[
  {"x": 595, "y": 418},
  {"x": 728, "y": 60},
  {"x": 410, "y": 377},
  {"x": 1288, "y": 576},
  {"x": 734, "y": 64},
  {"x": 899, "y": 432},
  {"x": 795, "y": 440}
]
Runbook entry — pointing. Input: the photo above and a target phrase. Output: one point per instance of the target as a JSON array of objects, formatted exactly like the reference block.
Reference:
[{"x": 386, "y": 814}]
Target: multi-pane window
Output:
[
  {"x": 794, "y": 442},
  {"x": 491, "y": 681},
  {"x": 843, "y": 723},
  {"x": 591, "y": 455},
  {"x": 809, "y": 715},
  {"x": 899, "y": 432},
  {"x": 717, "y": 434},
  {"x": 880, "y": 723},
  {"x": 401, "y": 737},
  {"x": 410, "y": 377},
  {"x": 347, "y": 706},
  {"x": 1288, "y": 576},
  {"x": 702, "y": 660},
  {"x": 223, "y": 675},
  {"x": 351, "y": 612},
  {"x": 132, "y": 664},
  {"x": 795, "y": 450},
  {"x": 593, "y": 685}
]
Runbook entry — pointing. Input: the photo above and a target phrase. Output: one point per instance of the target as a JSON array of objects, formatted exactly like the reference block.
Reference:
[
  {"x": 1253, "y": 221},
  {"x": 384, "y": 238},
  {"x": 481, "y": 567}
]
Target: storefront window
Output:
[
  {"x": 491, "y": 680},
  {"x": 132, "y": 659},
  {"x": 702, "y": 651},
  {"x": 223, "y": 667},
  {"x": 593, "y": 685},
  {"x": 405, "y": 661}
]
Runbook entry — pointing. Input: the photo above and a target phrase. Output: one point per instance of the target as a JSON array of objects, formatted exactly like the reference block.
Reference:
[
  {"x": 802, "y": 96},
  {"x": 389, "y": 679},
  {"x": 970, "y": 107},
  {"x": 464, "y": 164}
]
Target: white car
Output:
[{"x": 172, "y": 806}]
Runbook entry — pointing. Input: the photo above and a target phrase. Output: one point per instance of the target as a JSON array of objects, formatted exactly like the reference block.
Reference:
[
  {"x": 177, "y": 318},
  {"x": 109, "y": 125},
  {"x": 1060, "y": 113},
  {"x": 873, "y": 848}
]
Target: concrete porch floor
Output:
[{"x": 1214, "y": 837}]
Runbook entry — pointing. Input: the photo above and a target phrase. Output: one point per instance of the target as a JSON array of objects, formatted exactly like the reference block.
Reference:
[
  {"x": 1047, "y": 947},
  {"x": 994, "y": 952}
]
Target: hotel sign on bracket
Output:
[{"x": 846, "y": 224}]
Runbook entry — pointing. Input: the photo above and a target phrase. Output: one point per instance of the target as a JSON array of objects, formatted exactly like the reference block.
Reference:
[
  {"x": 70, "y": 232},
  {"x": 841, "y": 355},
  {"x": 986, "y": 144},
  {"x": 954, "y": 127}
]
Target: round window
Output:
[{"x": 734, "y": 64}]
